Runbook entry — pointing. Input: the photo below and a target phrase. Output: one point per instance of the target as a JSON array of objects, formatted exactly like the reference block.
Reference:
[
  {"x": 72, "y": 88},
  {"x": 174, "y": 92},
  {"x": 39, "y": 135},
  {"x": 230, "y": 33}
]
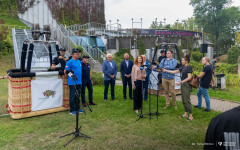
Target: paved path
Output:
[{"x": 216, "y": 104}]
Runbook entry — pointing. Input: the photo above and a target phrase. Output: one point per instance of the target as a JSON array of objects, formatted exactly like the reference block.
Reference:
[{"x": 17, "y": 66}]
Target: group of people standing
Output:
[
  {"x": 81, "y": 69},
  {"x": 136, "y": 74}
]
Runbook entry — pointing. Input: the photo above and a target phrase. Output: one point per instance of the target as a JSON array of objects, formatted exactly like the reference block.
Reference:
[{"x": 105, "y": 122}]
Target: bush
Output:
[
  {"x": 97, "y": 78},
  {"x": 197, "y": 56},
  {"x": 196, "y": 66},
  {"x": 227, "y": 68},
  {"x": 233, "y": 54}
]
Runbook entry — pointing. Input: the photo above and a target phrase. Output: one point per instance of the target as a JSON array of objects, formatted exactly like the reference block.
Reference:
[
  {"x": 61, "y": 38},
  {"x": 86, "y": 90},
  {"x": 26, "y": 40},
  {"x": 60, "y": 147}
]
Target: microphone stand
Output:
[
  {"x": 141, "y": 113},
  {"x": 77, "y": 132}
]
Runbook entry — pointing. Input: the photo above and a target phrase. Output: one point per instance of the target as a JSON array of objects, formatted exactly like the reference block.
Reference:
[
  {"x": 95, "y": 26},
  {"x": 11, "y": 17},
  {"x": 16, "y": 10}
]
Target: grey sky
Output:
[{"x": 172, "y": 10}]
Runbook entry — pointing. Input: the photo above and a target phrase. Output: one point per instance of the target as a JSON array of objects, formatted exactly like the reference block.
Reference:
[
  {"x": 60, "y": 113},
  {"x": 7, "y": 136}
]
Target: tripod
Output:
[
  {"x": 77, "y": 132},
  {"x": 149, "y": 98}
]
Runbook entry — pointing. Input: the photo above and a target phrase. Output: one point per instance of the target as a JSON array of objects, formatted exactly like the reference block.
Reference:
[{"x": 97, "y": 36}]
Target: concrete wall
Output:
[{"x": 39, "y": 13}]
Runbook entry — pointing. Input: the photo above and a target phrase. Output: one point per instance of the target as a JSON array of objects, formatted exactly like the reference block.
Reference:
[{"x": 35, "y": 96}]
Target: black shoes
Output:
[
  {"x": 196, "y": 106},
  {"x": 207, "y": 110}
]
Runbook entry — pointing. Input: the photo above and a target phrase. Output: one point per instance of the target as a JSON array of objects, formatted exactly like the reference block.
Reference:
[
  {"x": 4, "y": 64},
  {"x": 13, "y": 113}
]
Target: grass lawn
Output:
[
  {"x": 10, "y": 20},
  {"x": 112, "y": 125},
  {"x": 231, "y": 93}
]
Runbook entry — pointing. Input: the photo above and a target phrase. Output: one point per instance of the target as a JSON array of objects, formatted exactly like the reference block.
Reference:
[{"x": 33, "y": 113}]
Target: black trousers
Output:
[
  {"x": 127, "y": 81},
  {"x": 89, "y": 85},
  {"x": 138, "y": 95},
  {"x": 72, "y": 97}
]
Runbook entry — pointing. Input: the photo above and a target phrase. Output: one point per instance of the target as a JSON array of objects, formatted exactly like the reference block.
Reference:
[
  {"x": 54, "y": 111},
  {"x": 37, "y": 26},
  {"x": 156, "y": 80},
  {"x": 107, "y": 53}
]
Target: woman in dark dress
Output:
[{"x": 186, "y": 88}]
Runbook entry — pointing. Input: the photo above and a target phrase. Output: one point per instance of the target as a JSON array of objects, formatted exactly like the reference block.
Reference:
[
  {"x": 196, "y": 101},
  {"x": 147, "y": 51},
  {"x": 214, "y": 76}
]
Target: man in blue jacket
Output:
[
  {"x": 126, "y": 70},
  {"x": 110, "y": 70}
]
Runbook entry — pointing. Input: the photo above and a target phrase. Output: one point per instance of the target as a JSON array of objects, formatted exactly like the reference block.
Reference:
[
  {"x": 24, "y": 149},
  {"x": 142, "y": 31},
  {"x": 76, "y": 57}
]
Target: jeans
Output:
[
  {"x": 106, "y": 83},
  {"x": 127, "y": 81},
  {"x": 145, "y": 87},
  {"x": 89, "y": 86},
  {"x": 203, "y": 92},
  {"x": 72, "y": 97}
]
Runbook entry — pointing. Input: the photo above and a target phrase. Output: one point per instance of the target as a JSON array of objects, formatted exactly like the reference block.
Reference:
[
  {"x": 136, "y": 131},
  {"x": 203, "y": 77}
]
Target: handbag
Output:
[{"x": 194, "y": 82}]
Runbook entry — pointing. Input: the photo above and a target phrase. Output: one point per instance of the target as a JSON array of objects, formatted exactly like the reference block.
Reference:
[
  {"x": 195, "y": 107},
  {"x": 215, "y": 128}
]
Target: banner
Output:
[
  {"x": 46, "y": 94},
  {"x": 154, "y": 80}
]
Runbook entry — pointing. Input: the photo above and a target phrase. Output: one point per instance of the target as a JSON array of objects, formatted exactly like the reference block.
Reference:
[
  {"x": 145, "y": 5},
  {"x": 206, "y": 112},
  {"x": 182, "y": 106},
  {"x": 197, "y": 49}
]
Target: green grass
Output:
[
  {"x": 112, "y": 125},
  {"x": 10, "y": 20},
  {"x": 231, "y": 93}
]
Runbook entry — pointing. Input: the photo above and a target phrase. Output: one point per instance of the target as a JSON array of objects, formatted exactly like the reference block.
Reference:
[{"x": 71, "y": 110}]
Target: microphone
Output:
[{"x": 71, "y": 74}]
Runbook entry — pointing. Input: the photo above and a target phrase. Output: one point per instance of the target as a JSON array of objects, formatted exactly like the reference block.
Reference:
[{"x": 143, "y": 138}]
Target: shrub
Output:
[
  {"x": 97, "y": 78},
  {"x": 197, "y": 56},
  {"x": 227, "y": 68},
  {"x": 233, "y": 54}
]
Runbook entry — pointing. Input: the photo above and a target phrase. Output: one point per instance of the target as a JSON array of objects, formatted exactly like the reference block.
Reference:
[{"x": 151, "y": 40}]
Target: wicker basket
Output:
[{"x": 19, "y": 98}]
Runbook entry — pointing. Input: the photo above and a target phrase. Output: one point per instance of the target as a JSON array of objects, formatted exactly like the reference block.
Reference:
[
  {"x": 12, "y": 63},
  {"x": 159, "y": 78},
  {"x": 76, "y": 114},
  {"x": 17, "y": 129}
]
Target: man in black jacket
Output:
[{"x": 126, "y": 70}]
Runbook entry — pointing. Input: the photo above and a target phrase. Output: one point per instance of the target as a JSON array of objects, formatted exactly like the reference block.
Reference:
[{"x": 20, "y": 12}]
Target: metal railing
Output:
[
  {"x": 68, "y": 43},
  {"x": 95, "y": 52},
  {"x": 94, "y": 28},
  {"x": 15, "y": 46}
]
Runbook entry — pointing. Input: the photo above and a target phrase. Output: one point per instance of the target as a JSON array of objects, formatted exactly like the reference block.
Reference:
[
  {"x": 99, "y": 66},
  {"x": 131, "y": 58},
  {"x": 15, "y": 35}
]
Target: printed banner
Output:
[
  {"x": 154, "y": 80},
  {"x": 46, "y": 94}
]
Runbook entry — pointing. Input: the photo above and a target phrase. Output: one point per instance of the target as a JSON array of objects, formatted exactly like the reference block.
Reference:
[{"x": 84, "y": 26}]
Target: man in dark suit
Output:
[
  {"x": 126, "y": 70},
  {"x": 110, "y": 70}
]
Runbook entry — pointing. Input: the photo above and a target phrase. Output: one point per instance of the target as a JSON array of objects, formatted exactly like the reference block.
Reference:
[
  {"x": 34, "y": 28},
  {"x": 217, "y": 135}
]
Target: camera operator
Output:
[{"x": 59, "y": 62}]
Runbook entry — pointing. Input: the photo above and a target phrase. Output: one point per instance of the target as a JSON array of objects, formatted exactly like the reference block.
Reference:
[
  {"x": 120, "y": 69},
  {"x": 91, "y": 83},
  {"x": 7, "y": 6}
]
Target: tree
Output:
[
  {"x": 217, "y": 19},
  {"x": 238, "y": 38}
]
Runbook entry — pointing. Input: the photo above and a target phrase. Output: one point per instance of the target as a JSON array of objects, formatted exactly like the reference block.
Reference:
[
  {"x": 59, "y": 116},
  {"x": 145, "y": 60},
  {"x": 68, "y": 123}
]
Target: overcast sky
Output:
[{"x": 148, "y": 10}]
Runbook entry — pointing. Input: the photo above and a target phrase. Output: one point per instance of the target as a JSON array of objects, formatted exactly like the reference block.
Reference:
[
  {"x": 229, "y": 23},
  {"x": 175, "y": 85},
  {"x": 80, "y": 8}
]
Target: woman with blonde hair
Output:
[
  {"x": 206, "y": 77},
  {"x": 138, "y": 76}
]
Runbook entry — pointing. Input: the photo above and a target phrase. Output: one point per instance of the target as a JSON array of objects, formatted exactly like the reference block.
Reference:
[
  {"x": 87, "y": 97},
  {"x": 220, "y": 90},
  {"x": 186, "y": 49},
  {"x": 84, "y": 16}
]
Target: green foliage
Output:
[
  {"x": 118, "y": 57},
  {"x": 217, "y": 19},
  {"x": 8, "y": 7},
  {"x": 141, "y": 47},
  {"x": 97, "y": 78},
  {"x": 232, "y": 79},
  {"x": 197, "y": 56},
  {"x": 227, "y": 68},
  {"x": 233, "y": 54}
]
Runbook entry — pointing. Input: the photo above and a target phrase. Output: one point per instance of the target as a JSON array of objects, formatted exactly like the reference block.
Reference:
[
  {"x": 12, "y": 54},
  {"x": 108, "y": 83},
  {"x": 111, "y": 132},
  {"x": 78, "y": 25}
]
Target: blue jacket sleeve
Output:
[
  {"x": 116, "y": 70},
  {"x": 104, "y": 69}
]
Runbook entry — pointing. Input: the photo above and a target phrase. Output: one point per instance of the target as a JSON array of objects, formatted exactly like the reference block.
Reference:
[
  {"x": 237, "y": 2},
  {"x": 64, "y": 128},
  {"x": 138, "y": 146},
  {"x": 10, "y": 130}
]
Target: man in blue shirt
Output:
[
  {"x": 86, "y": 81},
  {"x": 74, "y": 65},
  {"x": 168, "y": 81},
  {"x": 110, "y": 70},
  {"x": 126, "y": 70}
]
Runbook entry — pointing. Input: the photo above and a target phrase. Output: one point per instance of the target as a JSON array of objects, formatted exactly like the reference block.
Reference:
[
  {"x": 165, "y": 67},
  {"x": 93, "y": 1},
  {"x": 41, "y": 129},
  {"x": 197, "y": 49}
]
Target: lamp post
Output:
[
  {"x": 141, "y": 23},
  {"x": 184, "y": 22},
  {"x": 164, "y": 21},
  {"x": 110, "y": 24},
  {"x": 177, "y": 23},
  {"x": 117, "y": 24}
]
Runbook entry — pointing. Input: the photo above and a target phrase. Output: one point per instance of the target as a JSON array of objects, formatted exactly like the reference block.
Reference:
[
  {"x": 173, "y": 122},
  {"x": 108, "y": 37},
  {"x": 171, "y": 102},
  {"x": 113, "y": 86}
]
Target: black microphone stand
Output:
[
  {"x": 77, "y": 132},
  {"x": 141, "y": 113}
]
